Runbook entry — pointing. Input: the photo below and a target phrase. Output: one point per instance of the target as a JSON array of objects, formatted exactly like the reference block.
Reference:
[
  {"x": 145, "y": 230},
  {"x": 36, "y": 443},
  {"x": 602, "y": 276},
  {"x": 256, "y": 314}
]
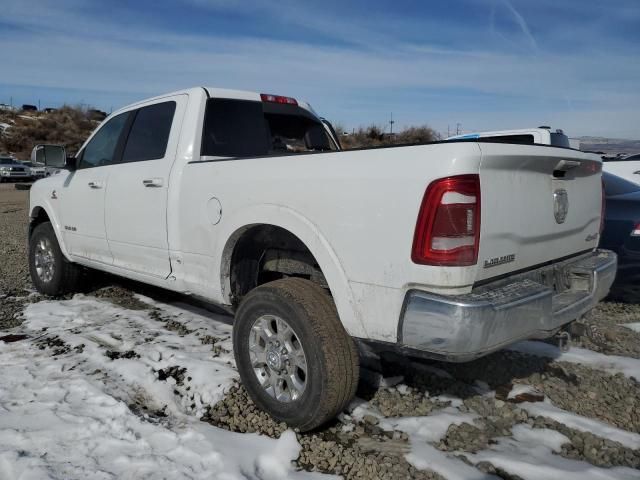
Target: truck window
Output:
[
  {"x": 234, "y": 128},
  {"x": 521, "y": 139},
  {"x": 101, "y": 148},
  {"x": 560, "y": 140},
  {"x": 243, "y": 128},
  {"x": 149, "y": 134}
]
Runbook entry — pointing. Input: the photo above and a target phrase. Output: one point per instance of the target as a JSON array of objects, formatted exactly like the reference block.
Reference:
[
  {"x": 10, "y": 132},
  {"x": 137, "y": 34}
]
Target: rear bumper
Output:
[{"x": 463, "y": 327}]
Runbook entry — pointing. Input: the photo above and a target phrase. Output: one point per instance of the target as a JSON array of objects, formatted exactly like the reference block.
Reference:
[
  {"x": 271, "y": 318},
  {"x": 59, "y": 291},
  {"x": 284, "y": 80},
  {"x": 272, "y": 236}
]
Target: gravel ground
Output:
[{"x": 363, "y": 446}]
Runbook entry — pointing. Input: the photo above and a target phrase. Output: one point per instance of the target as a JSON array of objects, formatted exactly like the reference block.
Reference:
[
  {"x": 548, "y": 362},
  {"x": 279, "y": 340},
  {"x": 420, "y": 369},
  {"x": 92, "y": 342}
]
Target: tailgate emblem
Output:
[{"x": 560, "y": 205}]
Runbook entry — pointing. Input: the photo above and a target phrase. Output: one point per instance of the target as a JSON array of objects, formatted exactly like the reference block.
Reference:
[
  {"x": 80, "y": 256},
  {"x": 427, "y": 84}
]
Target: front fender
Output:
[
  {"x": 36, "y": 205},
  {"x": 319, "y": 246}
]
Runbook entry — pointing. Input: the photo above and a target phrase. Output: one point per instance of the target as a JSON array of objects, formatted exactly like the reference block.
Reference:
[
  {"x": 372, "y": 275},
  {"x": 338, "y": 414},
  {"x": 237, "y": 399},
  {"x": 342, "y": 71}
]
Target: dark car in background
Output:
[{"x": 622, "y": 223}]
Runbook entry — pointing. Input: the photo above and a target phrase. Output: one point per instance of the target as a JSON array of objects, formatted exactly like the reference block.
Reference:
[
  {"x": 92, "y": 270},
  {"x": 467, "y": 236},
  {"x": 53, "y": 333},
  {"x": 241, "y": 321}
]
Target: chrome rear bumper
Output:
[{"x": 463, "y": 327}]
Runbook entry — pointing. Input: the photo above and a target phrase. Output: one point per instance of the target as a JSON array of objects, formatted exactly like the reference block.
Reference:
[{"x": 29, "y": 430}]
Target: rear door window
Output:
[{"x": 149, "y": 134}]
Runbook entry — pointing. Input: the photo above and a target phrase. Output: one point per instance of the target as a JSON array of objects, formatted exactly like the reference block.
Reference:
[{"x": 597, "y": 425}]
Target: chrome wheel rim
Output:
[
  {"x": 277, "y": 358},
  {"x": 44, "y": 260}
]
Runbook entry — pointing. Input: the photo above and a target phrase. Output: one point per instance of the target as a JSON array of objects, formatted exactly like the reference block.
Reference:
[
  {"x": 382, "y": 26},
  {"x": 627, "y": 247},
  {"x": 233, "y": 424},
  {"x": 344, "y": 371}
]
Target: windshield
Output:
[
  {"x": 243, "y": 128},
  {"x": 8, "y": 161}
]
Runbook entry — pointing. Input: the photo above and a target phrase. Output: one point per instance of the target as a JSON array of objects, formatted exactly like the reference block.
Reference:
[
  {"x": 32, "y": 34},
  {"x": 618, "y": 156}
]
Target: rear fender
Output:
[{"x": 314, "y": 240}]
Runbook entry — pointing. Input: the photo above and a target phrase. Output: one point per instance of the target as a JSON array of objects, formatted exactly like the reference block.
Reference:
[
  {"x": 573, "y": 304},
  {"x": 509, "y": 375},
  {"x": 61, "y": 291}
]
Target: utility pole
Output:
[
  {"x": 448, "y": 132},
  {"x": 458, "y": 125},
  {"x": 391, "y": 122}
]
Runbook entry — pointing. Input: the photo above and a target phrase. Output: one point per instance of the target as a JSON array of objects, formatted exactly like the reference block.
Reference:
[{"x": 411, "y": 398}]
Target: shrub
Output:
[
  {"x": 68, "y": 126},
  {"x": 374, "y": 136}
]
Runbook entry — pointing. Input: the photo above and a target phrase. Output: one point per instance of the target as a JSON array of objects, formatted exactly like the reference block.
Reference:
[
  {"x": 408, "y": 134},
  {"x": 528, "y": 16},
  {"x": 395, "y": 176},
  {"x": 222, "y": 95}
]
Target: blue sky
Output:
[{"x": 486, "y": 64}]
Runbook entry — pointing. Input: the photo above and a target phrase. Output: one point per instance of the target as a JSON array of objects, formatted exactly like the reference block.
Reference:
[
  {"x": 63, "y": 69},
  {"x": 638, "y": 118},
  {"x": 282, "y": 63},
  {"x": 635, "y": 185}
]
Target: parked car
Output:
[
  {"x": 626, "y": 167},
  {"x": 11, "y": 169},
  {"x": 449, "y": 250},
  {"x": 541, "y": 136},
  {"x": 622, "y": 222},
  {"x": 37, "y": 171},
  {"x": 39, "y": 158}
]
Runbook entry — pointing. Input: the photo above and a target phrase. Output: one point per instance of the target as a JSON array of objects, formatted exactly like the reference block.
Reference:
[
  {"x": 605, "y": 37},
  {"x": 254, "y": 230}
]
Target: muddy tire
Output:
[
  {"x": 295, "y": 359},
  {"x": 51, "y": 273}
]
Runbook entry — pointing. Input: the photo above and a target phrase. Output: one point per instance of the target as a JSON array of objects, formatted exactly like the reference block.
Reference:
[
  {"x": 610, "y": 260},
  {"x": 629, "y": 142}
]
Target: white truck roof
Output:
[
  {"x": 539, "y": 135},
  {"x": 216, "y": 93}
]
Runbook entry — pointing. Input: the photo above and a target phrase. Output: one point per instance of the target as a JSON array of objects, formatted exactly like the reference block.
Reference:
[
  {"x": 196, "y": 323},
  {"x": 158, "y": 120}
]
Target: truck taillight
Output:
[
  {"x": 267, "y": 97},
  {"x": 636, "y": 230},
  {"x": 448, "y": 227}
]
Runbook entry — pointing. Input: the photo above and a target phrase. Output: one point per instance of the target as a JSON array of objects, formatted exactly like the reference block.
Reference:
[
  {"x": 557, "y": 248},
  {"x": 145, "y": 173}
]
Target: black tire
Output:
[
  {"x": 331, "y": 355},
  {"x": 65, "y": 276}
]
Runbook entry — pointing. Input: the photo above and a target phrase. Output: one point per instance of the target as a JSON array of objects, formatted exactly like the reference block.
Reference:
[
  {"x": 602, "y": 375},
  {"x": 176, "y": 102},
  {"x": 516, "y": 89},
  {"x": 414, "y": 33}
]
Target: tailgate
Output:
[{"x": 538, "y": 204}]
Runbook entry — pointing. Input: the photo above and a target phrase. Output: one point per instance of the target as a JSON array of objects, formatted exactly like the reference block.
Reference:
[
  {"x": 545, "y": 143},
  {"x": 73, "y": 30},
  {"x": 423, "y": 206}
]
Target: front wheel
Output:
[
  {"x": 51, "y": 273},
  {"x": 295, "y": 359}
]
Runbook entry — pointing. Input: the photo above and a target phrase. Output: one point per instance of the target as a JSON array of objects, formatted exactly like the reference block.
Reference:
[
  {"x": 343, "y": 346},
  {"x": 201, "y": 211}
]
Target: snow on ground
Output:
[
  {"x": 572, "y": 420},
  {"x": 529, "y": 452},
  {"x": 72, "y": 415},
  {"x": 425, "y": 430},
  {"x": 632, "y": 326},
  {"x": 100, "y": 391},
  {"x": 609, "y": 363}
]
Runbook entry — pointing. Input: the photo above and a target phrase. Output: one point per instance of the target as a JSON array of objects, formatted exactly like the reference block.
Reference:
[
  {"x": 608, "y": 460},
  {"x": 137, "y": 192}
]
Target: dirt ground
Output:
[{"x": 364, "y": 446}]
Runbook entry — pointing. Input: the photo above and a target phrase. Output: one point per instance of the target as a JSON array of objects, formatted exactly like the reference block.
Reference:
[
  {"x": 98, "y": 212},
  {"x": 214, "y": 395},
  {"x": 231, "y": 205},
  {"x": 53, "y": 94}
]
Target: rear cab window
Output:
[
  {"x": 520, "y": 139},
  {"x": 559, "y": 140},
  {"x": 246, "y": 128}
]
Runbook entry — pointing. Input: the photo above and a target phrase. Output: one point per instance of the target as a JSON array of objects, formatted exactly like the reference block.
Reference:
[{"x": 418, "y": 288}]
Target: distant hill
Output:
[
  {"x": 20, "y": 131},
  {"x": 609, "y": 146}
]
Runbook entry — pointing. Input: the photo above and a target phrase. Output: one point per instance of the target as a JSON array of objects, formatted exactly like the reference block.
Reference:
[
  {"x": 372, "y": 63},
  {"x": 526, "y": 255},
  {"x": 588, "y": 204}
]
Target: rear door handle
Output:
[
  {"x": 95, "y": 184},
  {"x": 152, "y": 182}
]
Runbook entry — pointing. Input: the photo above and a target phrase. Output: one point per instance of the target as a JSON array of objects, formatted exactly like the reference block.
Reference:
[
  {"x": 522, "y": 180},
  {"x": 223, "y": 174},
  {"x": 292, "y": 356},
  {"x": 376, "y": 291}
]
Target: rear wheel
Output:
[
  {"x": 295, "y": 359},
  {"x": 51, "y": 273}
]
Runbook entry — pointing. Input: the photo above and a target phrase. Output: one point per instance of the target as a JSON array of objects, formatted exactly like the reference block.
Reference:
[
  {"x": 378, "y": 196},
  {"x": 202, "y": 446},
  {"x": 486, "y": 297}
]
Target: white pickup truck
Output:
[{"x": 450, "y": 250}]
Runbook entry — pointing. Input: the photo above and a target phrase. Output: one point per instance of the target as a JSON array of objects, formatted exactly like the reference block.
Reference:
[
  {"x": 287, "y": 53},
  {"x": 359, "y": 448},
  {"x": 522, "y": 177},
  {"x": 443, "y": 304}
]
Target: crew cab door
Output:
[
  {"x": 82, "y": 196},
  {"x": 136, "y": 200}
]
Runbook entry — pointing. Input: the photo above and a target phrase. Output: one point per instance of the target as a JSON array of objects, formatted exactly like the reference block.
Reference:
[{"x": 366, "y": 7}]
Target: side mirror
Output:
[{"x": 52, "y": 156}]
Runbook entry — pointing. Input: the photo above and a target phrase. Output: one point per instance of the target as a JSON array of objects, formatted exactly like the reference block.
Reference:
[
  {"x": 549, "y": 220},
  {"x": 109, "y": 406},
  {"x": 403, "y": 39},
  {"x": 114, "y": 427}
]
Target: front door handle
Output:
[
  {"x": 95, "y": 184},
  {"x": 152, "y": 182}
]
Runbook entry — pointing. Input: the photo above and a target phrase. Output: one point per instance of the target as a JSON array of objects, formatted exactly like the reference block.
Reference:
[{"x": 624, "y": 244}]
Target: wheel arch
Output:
[
  {"x": 43, "y": 213},
  {"x": 309, "y": 235}
]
